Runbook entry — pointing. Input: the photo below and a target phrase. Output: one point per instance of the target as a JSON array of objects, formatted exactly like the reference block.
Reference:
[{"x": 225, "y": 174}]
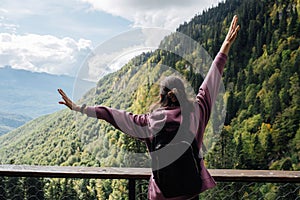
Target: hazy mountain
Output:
[
  {"x": 25, "y": 95},
  {"x": 9, "y": 121}
]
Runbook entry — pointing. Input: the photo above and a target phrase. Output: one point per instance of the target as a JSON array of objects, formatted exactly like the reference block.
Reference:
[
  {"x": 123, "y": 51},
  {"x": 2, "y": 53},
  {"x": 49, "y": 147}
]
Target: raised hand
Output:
[
  {"x": 233, "y": 30},
  {"x": 231, "y": 35},
  {"x": 67, "y": 101}
]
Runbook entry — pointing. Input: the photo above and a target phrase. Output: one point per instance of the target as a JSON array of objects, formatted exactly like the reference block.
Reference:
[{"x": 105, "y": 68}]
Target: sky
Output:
[{"x": 57, "y": 36}]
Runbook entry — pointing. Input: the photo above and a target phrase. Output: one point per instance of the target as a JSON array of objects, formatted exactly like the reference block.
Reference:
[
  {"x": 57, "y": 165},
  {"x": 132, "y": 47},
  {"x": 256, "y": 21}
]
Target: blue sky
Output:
[{"x": 55, "y": 36}]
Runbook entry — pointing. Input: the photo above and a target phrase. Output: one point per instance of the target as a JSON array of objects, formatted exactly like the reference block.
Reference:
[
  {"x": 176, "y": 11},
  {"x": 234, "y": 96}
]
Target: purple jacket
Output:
[{"x": 144, "y": 126}]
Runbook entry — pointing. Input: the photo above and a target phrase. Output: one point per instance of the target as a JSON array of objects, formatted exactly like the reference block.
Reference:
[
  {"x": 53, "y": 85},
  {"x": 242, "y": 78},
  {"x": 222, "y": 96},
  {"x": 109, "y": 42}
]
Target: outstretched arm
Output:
[
  {"x": 210, "y": 87},
  {"x": 134, "y": 125}
]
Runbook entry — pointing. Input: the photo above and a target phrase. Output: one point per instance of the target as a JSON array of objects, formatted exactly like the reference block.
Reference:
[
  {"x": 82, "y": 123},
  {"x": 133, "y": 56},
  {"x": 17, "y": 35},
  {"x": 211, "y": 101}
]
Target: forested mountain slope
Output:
[{"x": 262, "y": 93}]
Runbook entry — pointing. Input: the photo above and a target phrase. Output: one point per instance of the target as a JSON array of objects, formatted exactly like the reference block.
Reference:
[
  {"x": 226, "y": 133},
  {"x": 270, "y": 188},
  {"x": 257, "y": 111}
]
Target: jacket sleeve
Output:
[
  {"x": 139, "y": 126},
  {"x": 208, "y": 90}
]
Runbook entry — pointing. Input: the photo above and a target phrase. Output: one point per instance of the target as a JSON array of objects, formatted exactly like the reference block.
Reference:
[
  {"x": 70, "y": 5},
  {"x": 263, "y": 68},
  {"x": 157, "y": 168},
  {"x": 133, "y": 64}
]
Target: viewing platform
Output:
[{"x": 134, "y": 174}]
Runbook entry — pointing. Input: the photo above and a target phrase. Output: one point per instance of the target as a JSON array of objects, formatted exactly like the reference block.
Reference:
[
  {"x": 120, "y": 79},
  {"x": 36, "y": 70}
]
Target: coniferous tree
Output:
[
  {"x": 229, "y": 147},
  {"x": 275, "y": 108},
  {"x": 259, "y": 44},
  {"x": 297, "y": 29},
  {"x": 292, "y": 27},
  {"x": 284, "y": 97},
  {"x": 283, "y": 21},
  {"x": 67, "y": 190},
  {"x": 55, "y": 190},
  {"x": 240, "y": 83},
  {"x": 93, "y": 193},
  {"x": 276, "y": 21},
  {"x": 258, "y": 159},
  {"x": 84, "y": 190},
  {"x": 268, "y": 32},
  {"x": 231, "y": 108},
  {"x": 240, "y": 156},
  {"x": 251, "y": 78},
  {"x": 269, "y": 148}
]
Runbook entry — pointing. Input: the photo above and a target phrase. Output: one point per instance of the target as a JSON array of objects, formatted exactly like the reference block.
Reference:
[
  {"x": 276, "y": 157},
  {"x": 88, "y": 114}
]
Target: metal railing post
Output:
[{"x": 131, "y": 188}]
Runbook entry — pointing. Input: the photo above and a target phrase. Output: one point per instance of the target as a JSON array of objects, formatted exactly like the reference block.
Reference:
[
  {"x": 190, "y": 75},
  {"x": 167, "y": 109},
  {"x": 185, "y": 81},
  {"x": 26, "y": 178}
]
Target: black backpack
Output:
[{"x": 182, "y": 176}]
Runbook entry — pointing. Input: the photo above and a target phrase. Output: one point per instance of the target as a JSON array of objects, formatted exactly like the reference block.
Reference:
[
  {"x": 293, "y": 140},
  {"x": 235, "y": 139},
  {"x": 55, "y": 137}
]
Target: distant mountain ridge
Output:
[
  {"x": 9, "y": 121},
  {"x": 25, "y": 95}
]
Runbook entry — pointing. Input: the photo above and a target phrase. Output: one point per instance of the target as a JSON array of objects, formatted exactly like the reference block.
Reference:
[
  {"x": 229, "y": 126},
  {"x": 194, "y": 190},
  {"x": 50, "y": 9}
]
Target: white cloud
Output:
[
  {"x": 166, "y": 14},
  {"x": 117, "y": 51},
  {"x": 99, "y": 65},
  {"x": 43, "y": 53},
  {"x": 5, "y": 24}
]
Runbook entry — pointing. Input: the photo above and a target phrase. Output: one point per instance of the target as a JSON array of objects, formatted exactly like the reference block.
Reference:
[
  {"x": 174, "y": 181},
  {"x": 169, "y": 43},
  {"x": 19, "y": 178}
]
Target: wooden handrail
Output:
[{"x": 222, "y": 175}]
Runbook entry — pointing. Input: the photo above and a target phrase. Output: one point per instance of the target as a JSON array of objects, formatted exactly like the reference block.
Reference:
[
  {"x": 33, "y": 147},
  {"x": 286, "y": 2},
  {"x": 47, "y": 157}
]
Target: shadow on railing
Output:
[{"x": 232, "y": 184}]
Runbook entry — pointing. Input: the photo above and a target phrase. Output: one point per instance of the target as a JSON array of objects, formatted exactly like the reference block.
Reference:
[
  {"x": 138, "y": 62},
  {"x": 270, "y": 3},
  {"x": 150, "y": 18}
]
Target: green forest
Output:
[{"x": 261, "y": 128}]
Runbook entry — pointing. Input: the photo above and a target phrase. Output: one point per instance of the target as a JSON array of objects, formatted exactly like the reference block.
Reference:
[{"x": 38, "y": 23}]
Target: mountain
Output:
[
  {"x": 25, "y": 95},
  {"x": 9, "y": 121},
  {"x": 262, "y": 94}
]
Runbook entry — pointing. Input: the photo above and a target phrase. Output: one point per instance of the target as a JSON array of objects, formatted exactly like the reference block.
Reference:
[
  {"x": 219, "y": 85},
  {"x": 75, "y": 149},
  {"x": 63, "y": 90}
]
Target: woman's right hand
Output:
[
  {"x": 231, "y": 35},
  {"x": 67, "y": 101}
]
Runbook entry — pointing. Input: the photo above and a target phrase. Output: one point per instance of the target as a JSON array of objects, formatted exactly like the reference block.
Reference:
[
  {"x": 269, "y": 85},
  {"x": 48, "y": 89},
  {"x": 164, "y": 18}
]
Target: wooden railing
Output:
[{"x": 133, "y": 174}]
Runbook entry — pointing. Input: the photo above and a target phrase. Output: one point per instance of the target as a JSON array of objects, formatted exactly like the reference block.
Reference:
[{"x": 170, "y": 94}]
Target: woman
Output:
[{"x": 169, "y": 118}]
